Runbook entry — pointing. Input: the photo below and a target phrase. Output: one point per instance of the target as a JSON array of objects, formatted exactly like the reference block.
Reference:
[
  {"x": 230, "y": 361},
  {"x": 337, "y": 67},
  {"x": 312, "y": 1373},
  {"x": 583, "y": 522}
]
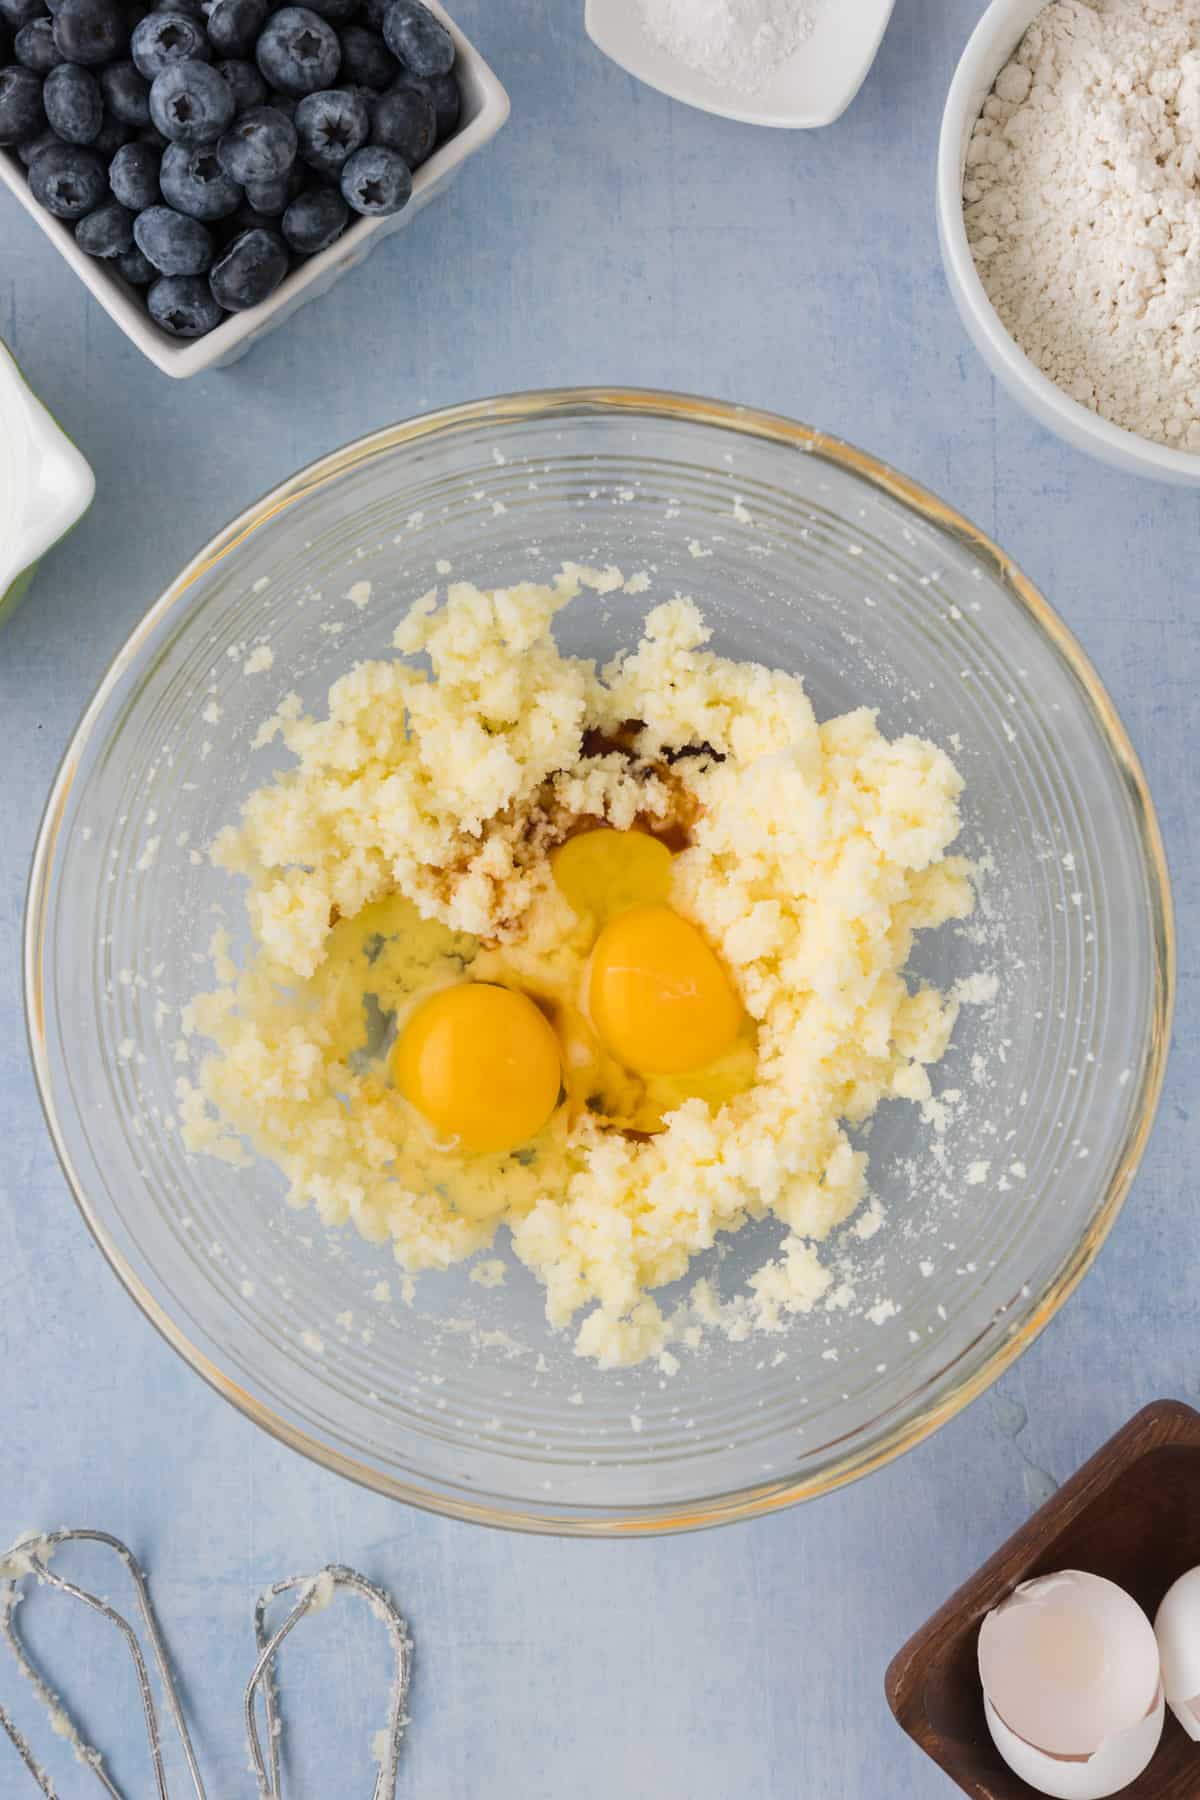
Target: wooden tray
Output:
[{"x": 1131, "y": 1513}]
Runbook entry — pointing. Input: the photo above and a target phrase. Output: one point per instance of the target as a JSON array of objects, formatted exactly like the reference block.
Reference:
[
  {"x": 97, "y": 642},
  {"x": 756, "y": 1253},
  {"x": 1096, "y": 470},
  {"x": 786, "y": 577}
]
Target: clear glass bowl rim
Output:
[{"x": 634, "y": 403}]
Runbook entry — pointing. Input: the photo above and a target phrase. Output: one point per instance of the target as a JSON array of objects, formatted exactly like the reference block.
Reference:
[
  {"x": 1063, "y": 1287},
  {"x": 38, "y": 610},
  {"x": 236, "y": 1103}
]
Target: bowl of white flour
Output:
[{"x": 1068, "y": 199}]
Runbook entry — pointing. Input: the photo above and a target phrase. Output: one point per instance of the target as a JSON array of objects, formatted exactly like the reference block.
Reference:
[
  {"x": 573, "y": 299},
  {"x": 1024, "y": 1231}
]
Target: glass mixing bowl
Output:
[{"x": 805, "y": 554}]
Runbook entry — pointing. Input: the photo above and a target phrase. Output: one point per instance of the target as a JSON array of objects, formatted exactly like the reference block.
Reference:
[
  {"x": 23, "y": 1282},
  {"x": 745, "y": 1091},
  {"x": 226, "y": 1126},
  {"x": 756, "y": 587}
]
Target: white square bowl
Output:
[
  {"x": 811, "y": 89},
  {"x": 485, "y": 107}
]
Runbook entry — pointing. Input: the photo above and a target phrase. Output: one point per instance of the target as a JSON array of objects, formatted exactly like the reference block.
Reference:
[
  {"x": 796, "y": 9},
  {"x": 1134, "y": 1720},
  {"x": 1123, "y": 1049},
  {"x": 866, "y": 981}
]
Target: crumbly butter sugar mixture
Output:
[{"x": 612, "y": 957}]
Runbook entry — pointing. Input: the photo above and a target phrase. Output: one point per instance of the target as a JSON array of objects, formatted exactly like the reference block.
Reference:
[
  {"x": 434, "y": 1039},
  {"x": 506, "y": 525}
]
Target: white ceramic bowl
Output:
[
  {"x": 484, "y": 110},
  {"x": 813, "y": 88},
  {"x": 991, "y": 44},
  {"x": 45, "y": 484}
]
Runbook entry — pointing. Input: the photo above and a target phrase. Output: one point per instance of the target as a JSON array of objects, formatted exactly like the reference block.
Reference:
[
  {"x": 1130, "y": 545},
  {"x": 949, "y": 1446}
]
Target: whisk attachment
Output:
[
  {"x": 314, "y": 1593},
  {"x": 30, "y": 1560}
]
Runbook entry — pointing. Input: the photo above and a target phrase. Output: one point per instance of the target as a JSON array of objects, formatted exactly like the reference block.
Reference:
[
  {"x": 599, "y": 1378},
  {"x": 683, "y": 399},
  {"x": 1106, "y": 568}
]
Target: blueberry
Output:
[
  {"x": 443, "y": 90},
  {"x": 371, "y": 13},
  {"x": 73, "y": 103},
  {"x": 90, "y": 31},
  {"x": 314, "y": 220},
  {"x": 299, "y": 52},
  {"x": 183, "y": 305},
  {"x": 111, "y": 137},
  {"x": 136, "y": 270},
  {"x": 249, "y": 271},
  {"x": 16, "y": 13},
  {"x": 190, "y": 104},
  {"x": 21, "y": 112},
  {"x": 154, "y": 137},
  {"x": 167, "y": 37},
  {"x": 133, "y": 176},
  {"x": 246, "y": 218},
  {"x": 338, "y": 12},
  {"x": 260, "y": 147},
  {"x": 68, "y": 180},
  {"x": 234, "y": 25},
  {"x": 106, "y": 232},
  {"x": 35, "y": 47},
  {"x": 330, "y": 127},
  {"x": 249, "y": 88},
  {"x": 421, "y": 42},
  {"x": 27, "y": 152},
  {"x": 404, "y": 120},
  {"x": 126, "y": 94},
  {"x": 284, "y": 103},
  {"x": 366, "y": 60},
  {"x": 174, "y": 244},
  {"x": 193, "y": 182},
  {"x": 193, "y": 8},
  {"x": 375, "y": 181},
  {"x": 271, "y": 197}
]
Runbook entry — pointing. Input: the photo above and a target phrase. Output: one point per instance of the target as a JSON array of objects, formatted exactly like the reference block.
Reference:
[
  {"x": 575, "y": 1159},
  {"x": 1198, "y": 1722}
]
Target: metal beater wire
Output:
[
  {"x": 21, "y": 1746},
  {"x": 315, "y": 1593},
  {"x": 30, "y": 1559},
  {"x": 33, "y": 1553}
]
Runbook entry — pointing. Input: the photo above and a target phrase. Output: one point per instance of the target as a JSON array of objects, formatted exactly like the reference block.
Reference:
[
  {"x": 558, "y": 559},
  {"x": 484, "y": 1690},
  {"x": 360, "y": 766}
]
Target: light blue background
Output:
[{"x": 607, "y": 236}]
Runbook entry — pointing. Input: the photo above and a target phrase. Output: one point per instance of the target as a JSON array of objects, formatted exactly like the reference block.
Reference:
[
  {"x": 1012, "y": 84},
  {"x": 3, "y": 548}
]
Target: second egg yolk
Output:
[
  {"x": 481, "y": 1064},
  {"x": 658, "y": 995},
  {"x": 604, "y": 871}
]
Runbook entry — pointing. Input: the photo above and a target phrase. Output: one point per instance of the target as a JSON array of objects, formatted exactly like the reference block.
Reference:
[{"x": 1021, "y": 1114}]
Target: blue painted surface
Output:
[{"x": 607, "y": 236}]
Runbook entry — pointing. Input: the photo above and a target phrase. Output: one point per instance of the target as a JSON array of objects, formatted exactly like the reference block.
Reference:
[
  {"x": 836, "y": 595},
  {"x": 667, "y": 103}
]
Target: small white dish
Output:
[
  {"x": 814, "y": 87},
  {"x": 45, "y": 484},
  {"x": 485, "y": 107},
  {"x": 990, "y": 46}
]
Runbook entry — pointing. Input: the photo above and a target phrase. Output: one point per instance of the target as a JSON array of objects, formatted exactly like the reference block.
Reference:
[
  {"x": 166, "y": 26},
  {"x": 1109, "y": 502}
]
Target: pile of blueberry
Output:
[{"x": 203, "y": 147}]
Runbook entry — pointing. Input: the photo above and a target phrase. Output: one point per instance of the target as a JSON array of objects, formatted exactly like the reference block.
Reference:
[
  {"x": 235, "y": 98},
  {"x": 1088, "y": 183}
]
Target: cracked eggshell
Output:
[
  {"x": 1177, "y": 1628},
  {"x": 1119, "y": 1760},
  {"x": 1070, "y": 1671},
  {"x": 1068, "y": 1660}
]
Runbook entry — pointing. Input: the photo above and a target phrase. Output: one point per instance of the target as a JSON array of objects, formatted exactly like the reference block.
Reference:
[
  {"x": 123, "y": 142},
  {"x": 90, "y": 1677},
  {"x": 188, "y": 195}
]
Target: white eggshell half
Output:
[
  {"x": 1069, "y": 1661},
  {"x": 1177, "y": 1628},
  {"x": 1118, "y": 1761}
]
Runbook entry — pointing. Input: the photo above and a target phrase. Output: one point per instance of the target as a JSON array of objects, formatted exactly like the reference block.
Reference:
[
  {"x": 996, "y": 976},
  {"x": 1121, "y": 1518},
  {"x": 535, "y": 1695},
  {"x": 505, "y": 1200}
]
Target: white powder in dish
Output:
[
  {"x": 733, "y": 43},
  {"x": 1082, "y": 207}
]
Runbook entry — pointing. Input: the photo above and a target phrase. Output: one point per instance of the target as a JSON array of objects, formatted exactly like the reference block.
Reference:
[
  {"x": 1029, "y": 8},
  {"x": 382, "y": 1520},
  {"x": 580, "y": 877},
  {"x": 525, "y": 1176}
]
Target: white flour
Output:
[
  {"x": 1082, "y": 204},
  {"x": 735, "y": 43}
]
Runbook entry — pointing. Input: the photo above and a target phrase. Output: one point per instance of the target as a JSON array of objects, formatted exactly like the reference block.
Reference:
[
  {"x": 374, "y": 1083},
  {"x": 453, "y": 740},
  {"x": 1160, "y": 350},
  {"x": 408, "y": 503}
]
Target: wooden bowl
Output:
[{"x": 1133, "y": 1514}]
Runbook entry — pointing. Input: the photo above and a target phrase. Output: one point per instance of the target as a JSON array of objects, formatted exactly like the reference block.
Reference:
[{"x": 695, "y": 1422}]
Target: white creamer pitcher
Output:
[{"x": 45, "y": 484}]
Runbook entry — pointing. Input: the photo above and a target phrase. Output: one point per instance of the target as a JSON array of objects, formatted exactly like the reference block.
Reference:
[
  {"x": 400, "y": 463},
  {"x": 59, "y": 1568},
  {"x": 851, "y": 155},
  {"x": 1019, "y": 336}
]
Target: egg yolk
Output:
[
  {"x": 657, "y": 994},
  {"x": 481, "y": 1064},
  {"x": 603, "y": 872}
]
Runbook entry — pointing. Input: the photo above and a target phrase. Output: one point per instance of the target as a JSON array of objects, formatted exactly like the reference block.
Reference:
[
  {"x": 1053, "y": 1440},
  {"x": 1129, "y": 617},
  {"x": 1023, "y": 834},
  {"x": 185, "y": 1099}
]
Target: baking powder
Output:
[
  {"x": 1082, "y": 205},
  {"x": 734, "y": 43}
]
